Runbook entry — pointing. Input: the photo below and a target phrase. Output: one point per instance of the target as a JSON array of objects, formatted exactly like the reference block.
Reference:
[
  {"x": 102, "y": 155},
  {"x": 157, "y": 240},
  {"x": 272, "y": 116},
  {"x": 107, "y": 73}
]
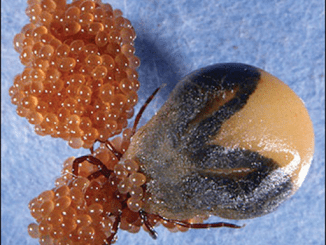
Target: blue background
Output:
[{"x": 283, "y": 37}]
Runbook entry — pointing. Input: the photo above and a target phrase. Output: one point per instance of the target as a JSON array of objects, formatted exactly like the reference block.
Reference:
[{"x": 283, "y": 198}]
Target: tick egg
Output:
[{"x": 231, "y": 140}]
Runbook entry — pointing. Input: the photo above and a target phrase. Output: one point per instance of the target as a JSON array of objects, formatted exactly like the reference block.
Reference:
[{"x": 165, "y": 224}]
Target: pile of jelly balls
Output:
[
  {"x": 80, "y": 210},
  {"x": 79, "y": 81}
]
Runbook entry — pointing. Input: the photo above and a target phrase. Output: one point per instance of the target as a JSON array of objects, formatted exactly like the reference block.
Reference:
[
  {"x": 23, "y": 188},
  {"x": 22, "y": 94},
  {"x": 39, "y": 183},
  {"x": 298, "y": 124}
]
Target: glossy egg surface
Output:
[
  {"x": 80, "y": 81},
  {"x": 231, "y": 140}
]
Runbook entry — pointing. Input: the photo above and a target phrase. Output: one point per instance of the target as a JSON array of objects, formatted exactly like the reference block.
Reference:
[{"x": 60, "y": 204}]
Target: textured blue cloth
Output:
[{"x": 283, "y": 37}]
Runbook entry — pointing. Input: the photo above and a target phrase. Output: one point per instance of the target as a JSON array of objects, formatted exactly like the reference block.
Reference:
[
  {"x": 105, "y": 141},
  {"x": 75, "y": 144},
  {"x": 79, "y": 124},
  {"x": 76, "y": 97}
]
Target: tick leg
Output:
[
  {"x": 115, "y": 228},
  {"x": 93, "y": 160},
  {"x": 152, "y": 232},
  {"x": 109, "y": 145},
  {"x": 142, "y": 109},
  {"x": 94, "y": 175},
  {"x": 202, "y": 225},
  {"x": 92, "y": 149}
]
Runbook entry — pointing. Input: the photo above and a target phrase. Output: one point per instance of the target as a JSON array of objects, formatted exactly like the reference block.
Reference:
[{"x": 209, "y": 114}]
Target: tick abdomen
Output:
[{"x": 205, "y": 152}]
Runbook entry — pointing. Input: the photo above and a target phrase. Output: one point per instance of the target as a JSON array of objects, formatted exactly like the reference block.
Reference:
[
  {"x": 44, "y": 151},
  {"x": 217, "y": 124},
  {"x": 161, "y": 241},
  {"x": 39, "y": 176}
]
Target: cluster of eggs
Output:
[
  {"x": 80, "y": 81},
  {"x": 83, "y": 210}
]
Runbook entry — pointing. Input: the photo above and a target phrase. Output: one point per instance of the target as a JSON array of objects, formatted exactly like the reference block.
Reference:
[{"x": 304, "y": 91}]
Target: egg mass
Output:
[
  {"x": 80, "y": 81},
  {"x": 231, "y": 141}
]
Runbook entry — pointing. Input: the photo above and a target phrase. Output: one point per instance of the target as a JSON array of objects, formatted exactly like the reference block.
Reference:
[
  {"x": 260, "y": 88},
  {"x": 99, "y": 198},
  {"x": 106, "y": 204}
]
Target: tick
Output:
[{"x": 231, "y": 141}]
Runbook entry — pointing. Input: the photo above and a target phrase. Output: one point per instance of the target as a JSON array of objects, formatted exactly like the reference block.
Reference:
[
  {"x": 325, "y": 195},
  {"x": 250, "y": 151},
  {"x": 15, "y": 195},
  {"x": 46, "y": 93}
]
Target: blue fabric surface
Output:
[{"x": 283, "y": 37}]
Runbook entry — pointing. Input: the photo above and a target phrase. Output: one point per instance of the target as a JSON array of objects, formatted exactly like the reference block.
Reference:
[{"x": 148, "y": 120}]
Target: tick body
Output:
[{"x": 231, "y": 141}]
